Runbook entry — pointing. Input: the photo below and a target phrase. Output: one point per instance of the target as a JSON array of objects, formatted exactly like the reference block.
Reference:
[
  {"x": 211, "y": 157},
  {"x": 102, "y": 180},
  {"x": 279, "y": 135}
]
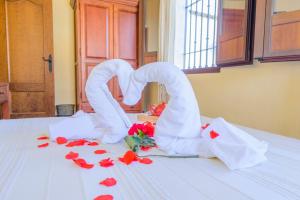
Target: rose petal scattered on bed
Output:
[
  {"x": 205, "y": 126},
  {"x": 100, "y": 151},
  {"x": 104, "y": 197},
  {"x": 71, "y": 155},
  {"x": 108, "y": 182},
  {"x": 61, "y": 140},
  {"x": 43, "y": 145},
  {"x": 106, "y": 162},
  {"x": 128, "y": 157},
  {"x": 93, "y": 143},
  {"x": 43, "y": 138},
  {"x": 213, "y": 134},
  {"x": 146, "y": 161},
  {"x": 74, "y": 143},
  {"x": 82, "y": 163}
]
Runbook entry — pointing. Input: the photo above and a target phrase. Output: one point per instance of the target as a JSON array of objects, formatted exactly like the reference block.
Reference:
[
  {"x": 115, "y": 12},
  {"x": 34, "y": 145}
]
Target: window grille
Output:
[{"x": 200, "y": 34}]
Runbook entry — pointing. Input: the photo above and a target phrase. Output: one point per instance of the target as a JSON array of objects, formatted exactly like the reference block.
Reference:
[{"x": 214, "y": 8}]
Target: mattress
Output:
[{"x": 28, "y": 172}]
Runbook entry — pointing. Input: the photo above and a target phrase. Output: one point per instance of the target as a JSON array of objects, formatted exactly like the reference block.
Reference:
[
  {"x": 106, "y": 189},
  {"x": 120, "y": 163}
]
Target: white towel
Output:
[
  {"x": 181, "y": 117},
  {"x": 111, "y": 116},
  {"x": 233, "y": 146},
  {"x": 178, "y": 129},
  {"x": 78, "y": 126}
]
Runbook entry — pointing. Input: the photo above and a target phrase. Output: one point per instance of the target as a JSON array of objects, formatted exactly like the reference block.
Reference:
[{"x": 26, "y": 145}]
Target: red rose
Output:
[
  {"x": 132, "y": 130},
  {"x": 148, "y": 129}
]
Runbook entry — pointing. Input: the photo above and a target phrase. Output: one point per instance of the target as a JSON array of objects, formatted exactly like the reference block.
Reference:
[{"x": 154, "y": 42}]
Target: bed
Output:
[{"x": 31, "y": 173}]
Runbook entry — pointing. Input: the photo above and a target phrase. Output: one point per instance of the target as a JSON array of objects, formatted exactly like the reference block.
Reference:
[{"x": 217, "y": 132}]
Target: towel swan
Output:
[
  {"x": 178, "y": 131},
  {"x": 111, "y": 118}
]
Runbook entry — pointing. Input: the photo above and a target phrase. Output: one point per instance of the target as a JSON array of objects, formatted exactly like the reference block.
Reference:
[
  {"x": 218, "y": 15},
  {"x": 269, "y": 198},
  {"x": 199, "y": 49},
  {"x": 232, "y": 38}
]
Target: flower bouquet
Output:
[{"x": 140, "y": 137}]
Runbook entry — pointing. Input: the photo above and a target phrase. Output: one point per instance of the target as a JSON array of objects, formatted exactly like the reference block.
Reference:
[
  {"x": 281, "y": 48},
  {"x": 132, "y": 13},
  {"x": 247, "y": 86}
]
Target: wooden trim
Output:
[
  {"x": 26, "y": 87},
  {"x": 280, "y": 58},
  {"x": 124, "y": 2},
  {"x": 48, "y": 45},
  {"x": 202, "y": 70},
  {"x": 248, "y": 34},
  {"x": 286, "y": 17},
  {"x": 3, "y": 44},
  {"x": 260, "y": 18},
  {"x": 141, "y": 33},
  {"x": 270, "y": 55},
  {"x": 27, "y": 115},
  {"x": 4, "y": 101},
  {"x": 78, "y": 55}
]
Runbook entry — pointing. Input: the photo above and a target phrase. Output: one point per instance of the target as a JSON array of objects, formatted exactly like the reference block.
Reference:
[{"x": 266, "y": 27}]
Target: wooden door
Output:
[
  {"x": 126, "y": 44},
  {"x": 96, "y": 41},
  {"x": 29, "y": 31}
]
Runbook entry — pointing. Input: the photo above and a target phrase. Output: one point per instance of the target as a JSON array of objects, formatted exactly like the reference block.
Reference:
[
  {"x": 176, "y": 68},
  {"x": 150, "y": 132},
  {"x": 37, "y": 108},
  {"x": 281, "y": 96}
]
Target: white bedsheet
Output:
[{"x": 27, "y": 172}]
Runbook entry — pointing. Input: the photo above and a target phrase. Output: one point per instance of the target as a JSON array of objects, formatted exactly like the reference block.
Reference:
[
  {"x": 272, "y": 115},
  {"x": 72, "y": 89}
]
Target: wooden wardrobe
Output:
[{"x": 106, "y": 29}]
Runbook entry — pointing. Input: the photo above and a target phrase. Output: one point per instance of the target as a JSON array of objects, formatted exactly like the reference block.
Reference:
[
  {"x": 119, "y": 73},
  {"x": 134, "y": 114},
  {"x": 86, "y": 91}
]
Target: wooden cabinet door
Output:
[
  {"x": 126, "y": 44},
  {"x": 29, "y": 28},
  {"x": 96, "y": 39}
]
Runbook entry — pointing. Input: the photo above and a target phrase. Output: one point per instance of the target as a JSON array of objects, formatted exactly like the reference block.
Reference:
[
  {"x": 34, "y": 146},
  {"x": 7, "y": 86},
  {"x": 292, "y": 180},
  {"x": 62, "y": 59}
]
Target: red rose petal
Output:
[
  {"x": 93, "y": 143},
  {"x": 61, "y": 140},
  {"x": 100, "y": 151},
  {"x": 71, "y": 155},
  {"x": 108, "y": 182},
  {"x": 213, "y": 134},
  {"x": 104, "y": 197},
  {"x": 79, "y": 142},
  {"x": 43, "y": 145},
  {"x": 82, "y": 163},
  {"x": 133, "y": 129},
  {"x": 106, "y": 162},
  {"x": 128, "y": 157},
  {"x": 205, "y": 126},
  {"x": 87, "y": 166},
  {"x": 79, "y": 161},
  {"x": 43, "y": 138},
  {"x": 146, "y": 161}
]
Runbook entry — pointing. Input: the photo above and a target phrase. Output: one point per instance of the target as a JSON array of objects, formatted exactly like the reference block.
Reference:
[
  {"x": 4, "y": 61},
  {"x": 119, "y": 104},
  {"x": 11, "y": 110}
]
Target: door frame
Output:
[{"x": 49, "y": 50}]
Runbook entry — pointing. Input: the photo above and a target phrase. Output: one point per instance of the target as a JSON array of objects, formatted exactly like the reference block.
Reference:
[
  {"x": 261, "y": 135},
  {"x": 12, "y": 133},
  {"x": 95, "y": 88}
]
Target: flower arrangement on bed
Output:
[{"x": 140, "y": 136}]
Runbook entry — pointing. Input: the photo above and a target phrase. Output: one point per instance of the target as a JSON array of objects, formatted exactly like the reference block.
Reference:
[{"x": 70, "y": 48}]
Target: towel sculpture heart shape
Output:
[{"x": 178, "y": 129}]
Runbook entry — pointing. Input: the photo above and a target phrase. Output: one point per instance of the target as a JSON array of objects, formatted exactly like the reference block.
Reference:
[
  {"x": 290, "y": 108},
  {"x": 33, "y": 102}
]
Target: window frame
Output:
[{"x": 195, "y": 70}]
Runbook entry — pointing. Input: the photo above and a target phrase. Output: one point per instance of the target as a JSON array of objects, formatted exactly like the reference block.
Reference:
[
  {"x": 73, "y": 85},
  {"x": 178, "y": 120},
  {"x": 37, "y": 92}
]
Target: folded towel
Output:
[
  {"x": 111, "y": 116},
  {"x": 78, "y": 126},
  {"x": 233, "y": 146}
]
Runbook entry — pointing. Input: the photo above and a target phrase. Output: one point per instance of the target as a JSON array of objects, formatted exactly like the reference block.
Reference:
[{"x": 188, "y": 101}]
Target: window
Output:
[{"x": 200, "y": 43}]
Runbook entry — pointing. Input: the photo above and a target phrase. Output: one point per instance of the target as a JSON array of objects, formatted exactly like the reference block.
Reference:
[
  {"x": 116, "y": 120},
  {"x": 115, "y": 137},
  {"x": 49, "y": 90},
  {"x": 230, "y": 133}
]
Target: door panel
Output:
[
  {"x": 125, "y": 44},
  {"x": 96, "y": 31},
  {"x": 96, "y": 39},
  {"x": 29, "y": 40}
]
